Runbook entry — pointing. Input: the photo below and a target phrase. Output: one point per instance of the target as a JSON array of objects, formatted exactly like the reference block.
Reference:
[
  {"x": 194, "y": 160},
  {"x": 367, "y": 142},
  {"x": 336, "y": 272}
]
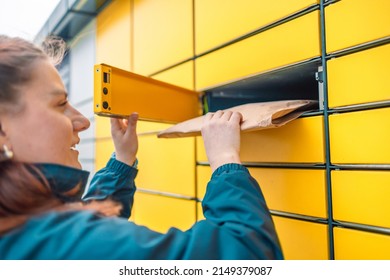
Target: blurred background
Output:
[{"x": 24, "y": 18}]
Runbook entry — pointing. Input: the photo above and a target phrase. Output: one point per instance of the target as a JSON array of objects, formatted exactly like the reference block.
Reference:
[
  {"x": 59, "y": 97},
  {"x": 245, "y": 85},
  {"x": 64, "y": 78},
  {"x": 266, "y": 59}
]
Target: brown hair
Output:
[
  {"x": 17, "y": 58},
  {"x": 23, "y": 194}
]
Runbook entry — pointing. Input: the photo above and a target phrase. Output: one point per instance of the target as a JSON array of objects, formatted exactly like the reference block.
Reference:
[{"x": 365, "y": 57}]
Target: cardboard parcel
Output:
[{"x": 256, "y": 116}]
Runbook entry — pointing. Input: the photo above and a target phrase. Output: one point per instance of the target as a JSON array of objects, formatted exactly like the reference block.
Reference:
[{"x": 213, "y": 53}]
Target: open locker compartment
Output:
[
  {"x": 295, "y": 82},
  {"x": 267, "y": 100},
  {"x": 118, "y": 93}
]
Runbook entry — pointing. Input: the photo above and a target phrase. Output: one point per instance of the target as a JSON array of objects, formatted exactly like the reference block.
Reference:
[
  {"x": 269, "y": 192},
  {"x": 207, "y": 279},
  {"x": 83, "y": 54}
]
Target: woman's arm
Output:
[{"x": 116, "y": 180}]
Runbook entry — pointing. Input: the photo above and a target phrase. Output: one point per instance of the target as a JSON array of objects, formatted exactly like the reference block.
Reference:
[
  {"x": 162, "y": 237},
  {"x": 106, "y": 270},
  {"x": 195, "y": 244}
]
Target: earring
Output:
[{"x": 7, "y": 152}]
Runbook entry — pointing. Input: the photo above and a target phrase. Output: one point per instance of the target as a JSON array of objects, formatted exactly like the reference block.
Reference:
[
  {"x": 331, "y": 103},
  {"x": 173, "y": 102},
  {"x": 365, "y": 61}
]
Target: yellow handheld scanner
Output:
[{"x": 118, "y": 93}]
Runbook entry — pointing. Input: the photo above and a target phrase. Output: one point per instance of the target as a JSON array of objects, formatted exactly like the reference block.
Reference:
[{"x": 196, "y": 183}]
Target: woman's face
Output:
[{"x": 46, "y": 130}]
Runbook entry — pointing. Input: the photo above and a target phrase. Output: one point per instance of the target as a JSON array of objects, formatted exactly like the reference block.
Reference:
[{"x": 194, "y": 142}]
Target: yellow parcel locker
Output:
[
  {"x": 296, "y": 191},
  {"x": 163, "y": 34},
  {"x": 103, "y": 128},
  {"x": 181, "y": 75},
  {"x": 166, "y": 165},
  {"x": 160, "y": 213},
  {"x": 200, "y": 151},
  {"x": 216, "y": 22},
  {"x": 289, "y": 190},
  {"x": 291, "y": 42},
  {"x": 352, "y": 244},
  {"x": 112, "y": 26},
  {"x": 361, "y": 197},
  {"x": 360, "y": 137},
  {"x": 203, "y": 177},
  {"x": 104, "y": 147},
  {"x": 353, "y": 22},
  {"x": 360, "y": 77},
  {"x": 200, "y": 215},
  {"x": 301, "y": 240},
  {"x": 299, "y": 141}
]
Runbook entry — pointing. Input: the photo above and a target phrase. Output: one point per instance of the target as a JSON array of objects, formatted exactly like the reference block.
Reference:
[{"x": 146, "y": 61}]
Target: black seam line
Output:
[
  {"x": 285, "y": 165},
  {"x": 362, "y": 227},
  {"x": 167, "y": 194},
  {"x": 328, "y": 2},
  {"x": 360, "y": 107},
  {"x": 361, "y": 47},
  {"x": 349, "y": 108},
  {"x": 286, "y": 19},
  {"x": 362, "y": 167},
  {"x": 274, "y": 165},
  {"x": 335, "y": 223},
  {"x": 311, "y": 114},
  {"x": 300, "y": 217},
  {"x": 321, "y": 166},
  {"x": 327, "y": 147}
]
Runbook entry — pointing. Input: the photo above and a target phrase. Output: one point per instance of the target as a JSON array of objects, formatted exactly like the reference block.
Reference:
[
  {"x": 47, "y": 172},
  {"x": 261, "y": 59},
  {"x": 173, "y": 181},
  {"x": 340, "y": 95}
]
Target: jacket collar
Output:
[{"x": 67, "y": 183}]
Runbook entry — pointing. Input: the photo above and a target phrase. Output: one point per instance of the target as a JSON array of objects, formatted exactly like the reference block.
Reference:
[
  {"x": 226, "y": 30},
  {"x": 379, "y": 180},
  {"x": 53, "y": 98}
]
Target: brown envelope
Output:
[{"x": 256, "y": 116}]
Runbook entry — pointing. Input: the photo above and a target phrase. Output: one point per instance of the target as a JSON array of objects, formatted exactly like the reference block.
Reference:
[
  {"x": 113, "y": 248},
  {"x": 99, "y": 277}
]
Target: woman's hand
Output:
[
  {"x": 125, "y": 138},
  {"x": 221, "y": 136}
]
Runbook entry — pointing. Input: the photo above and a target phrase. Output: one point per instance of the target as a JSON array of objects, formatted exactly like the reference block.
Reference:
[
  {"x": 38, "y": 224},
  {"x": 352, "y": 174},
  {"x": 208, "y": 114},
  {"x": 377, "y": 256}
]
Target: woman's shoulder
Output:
[
  {"x": 64, "y": 235},
  {"x": 78, "y": 222}
]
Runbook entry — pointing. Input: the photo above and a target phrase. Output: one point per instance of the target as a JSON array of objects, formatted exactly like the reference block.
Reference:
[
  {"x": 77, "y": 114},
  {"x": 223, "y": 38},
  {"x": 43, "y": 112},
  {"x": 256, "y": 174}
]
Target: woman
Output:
[{"x": 41, "y": 216}]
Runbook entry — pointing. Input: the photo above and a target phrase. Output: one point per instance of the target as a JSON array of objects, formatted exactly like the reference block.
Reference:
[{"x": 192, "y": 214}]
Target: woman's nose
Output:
[{"x": 79, "y": 121}]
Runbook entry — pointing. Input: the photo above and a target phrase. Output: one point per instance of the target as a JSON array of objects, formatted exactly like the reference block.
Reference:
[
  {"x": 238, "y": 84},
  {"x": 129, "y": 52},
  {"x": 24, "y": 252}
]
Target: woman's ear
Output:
[
  {"x": 1, "y": 130},
  {"x": 4, "y": 131},
  {"x": 5, "y": 152},
  {"x": 5, "y": 143},
  {"x": 3, "y": 135}
]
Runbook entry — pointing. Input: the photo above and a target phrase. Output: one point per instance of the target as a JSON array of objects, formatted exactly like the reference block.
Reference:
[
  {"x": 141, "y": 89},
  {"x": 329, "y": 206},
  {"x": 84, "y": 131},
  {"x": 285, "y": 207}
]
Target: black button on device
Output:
[
  {"x": 105, "y": 104},
  {"x": 105, "y": 90}
]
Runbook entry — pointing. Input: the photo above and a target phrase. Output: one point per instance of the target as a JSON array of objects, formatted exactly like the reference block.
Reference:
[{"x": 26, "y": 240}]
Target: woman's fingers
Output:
[
  {"x": 221, "y": 137},
  {"x": 125, "y": 138},
  {"x": 123, "y": 125},
  {"x": 132, "y": 122},
  {"x": 116, "y": 125},
  {"x": 236, "y": 117},
  {"x": 133, "y": 118},
  {"x": 224, "y": 115}
]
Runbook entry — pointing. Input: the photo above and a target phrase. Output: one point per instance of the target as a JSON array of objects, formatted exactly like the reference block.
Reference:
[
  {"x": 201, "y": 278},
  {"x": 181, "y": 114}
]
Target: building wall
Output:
[
  {"x": 325, "y": 175},
  {"x": 80, "y": 61}
]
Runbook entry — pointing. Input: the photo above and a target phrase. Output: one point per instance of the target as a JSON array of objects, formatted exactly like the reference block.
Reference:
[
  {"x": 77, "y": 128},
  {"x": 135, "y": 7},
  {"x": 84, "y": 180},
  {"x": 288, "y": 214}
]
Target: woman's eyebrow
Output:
[{"x": 60, "y": 92}]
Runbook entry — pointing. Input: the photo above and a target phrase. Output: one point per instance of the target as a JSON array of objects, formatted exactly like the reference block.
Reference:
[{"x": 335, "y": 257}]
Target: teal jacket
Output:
[{"x": 237, "y": 225}]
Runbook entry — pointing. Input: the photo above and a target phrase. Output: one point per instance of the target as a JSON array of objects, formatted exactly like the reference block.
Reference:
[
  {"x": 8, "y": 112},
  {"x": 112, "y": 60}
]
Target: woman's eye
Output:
[{"x": 63, "y": 104}]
